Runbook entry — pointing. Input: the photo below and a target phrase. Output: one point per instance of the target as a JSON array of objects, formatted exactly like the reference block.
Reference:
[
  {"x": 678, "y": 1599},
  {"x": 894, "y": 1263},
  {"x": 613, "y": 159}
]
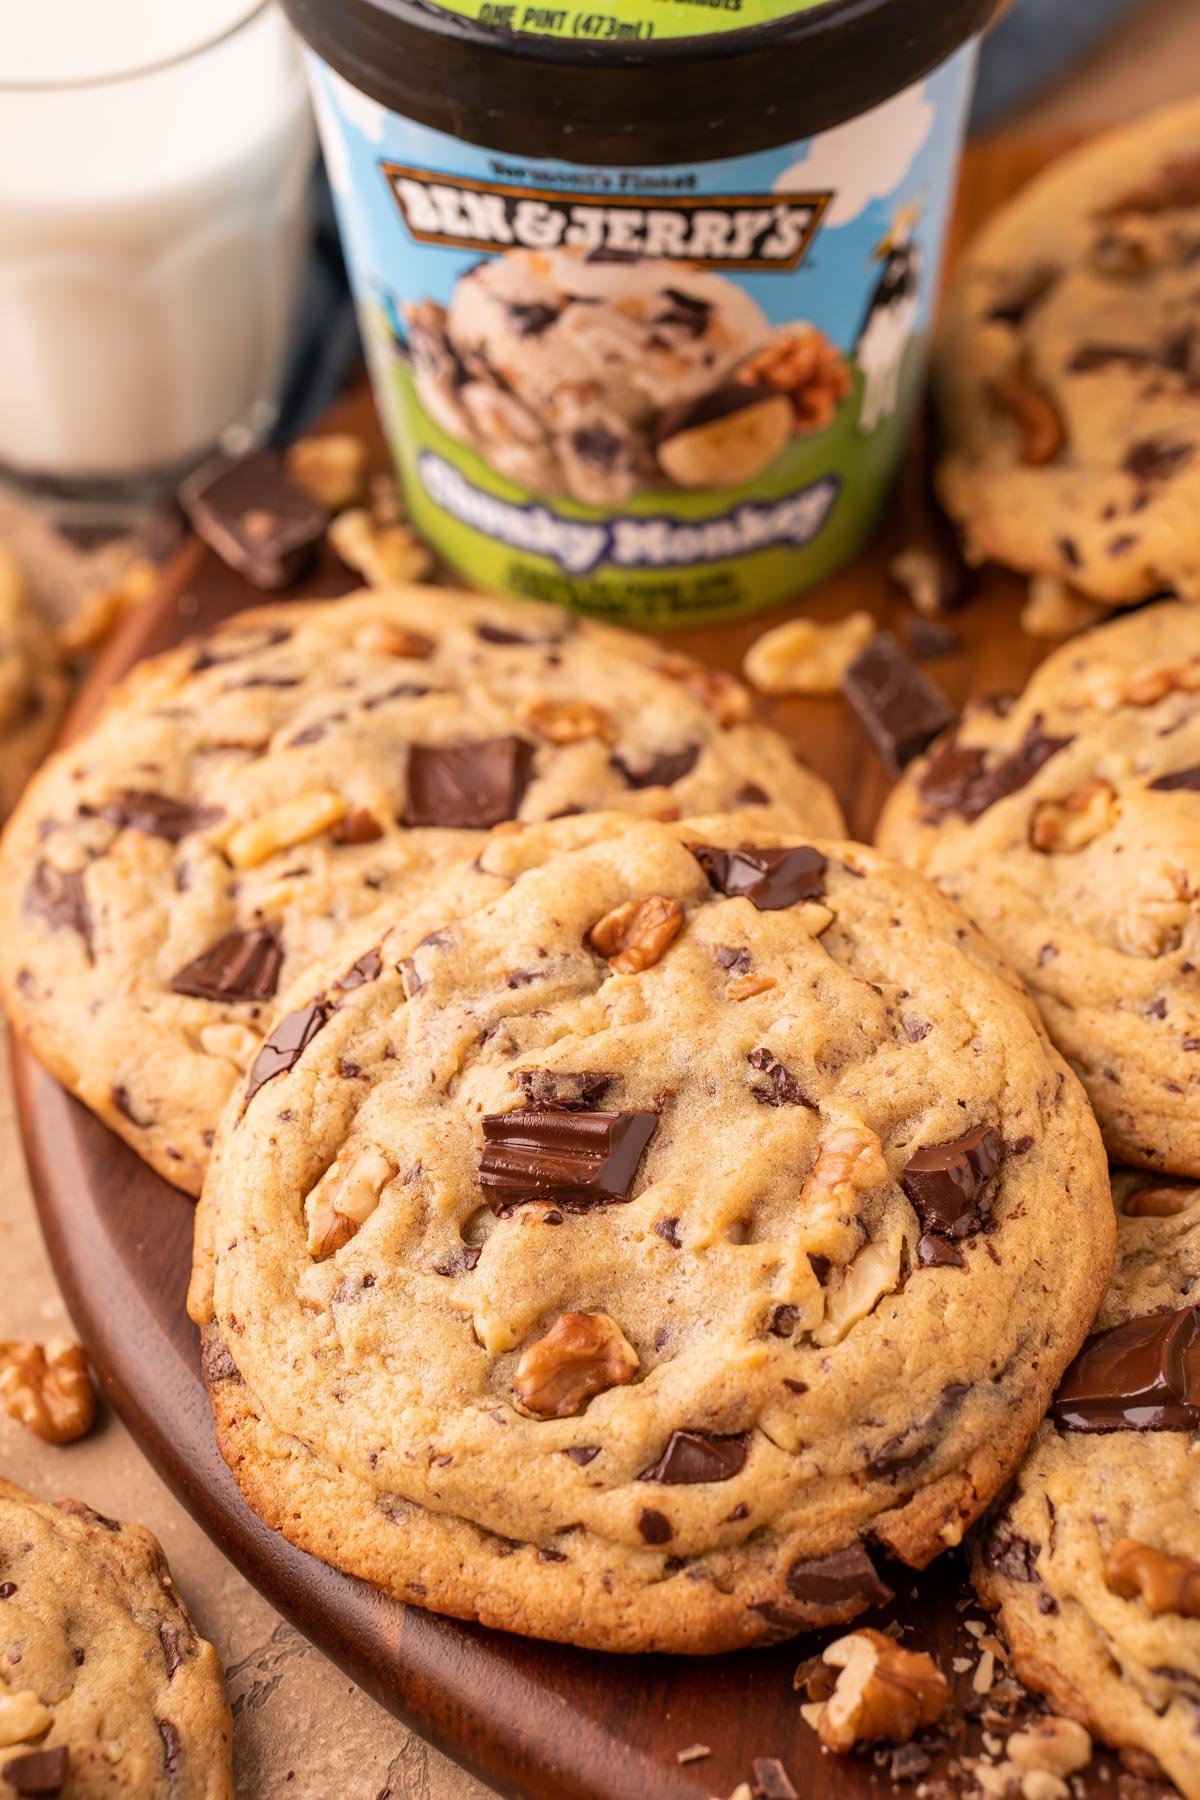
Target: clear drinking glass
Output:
[{"x": 155, "y": 162}]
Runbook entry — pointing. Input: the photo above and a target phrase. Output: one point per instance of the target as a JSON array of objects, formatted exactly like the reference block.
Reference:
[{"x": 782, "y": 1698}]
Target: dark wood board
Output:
[{"x": 532, "y": 1719}]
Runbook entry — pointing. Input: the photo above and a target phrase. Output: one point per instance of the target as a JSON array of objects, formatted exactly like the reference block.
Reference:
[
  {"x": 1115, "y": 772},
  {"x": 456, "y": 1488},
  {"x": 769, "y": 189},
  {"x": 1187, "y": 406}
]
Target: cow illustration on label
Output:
[{"x": 890, "y": 319}]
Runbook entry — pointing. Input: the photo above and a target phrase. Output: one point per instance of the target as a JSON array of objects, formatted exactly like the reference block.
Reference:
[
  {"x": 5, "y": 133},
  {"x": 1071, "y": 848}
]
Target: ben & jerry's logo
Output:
[{"x": 729, "y": 231}]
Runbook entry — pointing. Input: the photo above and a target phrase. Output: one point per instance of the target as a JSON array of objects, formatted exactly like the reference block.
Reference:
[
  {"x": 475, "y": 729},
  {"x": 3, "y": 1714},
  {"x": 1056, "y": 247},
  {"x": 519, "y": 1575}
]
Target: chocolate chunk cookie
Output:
[
  {"x": 245, "y": 799},
  {"x": 1068, "y": 825},
  {"x": 1067, "y": 364},
  {"x": 1094, "y": 1561},
  {"x": 649, "y": 1240},
  {"x": 33, "y": 684},
  {"x": 105, "y": 1688}
]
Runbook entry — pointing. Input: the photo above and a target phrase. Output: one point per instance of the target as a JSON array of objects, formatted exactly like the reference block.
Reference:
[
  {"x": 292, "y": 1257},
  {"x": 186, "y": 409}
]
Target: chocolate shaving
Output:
[
  {"x": 575, "y": 1160},
  {"x": 769, "y": 879},
  {"x": 243, "y": 966},
  {"x": 699, "y": 1456},
  {"x": 467, "y": 785},
  {"x": 1140, "y": 1376}
]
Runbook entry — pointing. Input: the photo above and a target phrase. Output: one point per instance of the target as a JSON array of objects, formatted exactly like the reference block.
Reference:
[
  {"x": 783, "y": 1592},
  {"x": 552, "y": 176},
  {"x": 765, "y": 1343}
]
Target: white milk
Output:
[{"x": 154, "y": 167}]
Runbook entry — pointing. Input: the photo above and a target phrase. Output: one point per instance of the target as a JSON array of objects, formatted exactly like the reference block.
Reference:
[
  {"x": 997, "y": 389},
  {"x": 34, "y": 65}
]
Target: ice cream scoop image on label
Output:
[{"x": 667, "y": 386}]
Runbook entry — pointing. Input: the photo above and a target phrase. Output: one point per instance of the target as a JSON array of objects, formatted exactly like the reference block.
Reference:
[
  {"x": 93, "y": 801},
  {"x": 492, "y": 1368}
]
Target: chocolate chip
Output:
[
  {"x": 582, "y": 1454},
  {"x": 1156, "y": 459},
  {"x": 562, "y": 1090},
  {"x": 699, "y": 1456},
  {"x": 215, "y": 1360},
  {"x": 40, "y": 1774},
  {"x": 172, "y": 1648},
  {"x": 751, "y": 794},
  {"x": 937, "y": 1253},
  {"x": 460, "y": 1261},
  {"x": 899, "y": 708},
  {"x": 255, "y": 517},
  {"x": 577, "y": 1160},
  {"x": 736, "y": 961},
  {"x": 664, "y": 768},
  {"x": 172, "y": 1745},
  {"x": 918, "y": 1441},
  {"x": 59, "y": 897},
  {"x": 958, "y": 779},
  {"x": 286, "y": 1045},
  {"x": 1008, "y": 1553},
  {"x": 771, "y": 1780},
  {"x": 838, "y": 1578},
  {"x": 668, "y": 1231},
  {"x": 783, "y": 1321},
  {"x": 930, "y": 640},
  {"x": 462, "y": 785},
  {"x": 795, "y": 1387},
  {"x": 1180, "y": 779},
  {"x": 1140, "y": 1376},
  {"x": 947, "y": 1183},
  {"x": 158, "y": 815},
  {"x": 655, "y": 1527},
  {"x": 7, "y": 1589},
  {"x": 367, "y": 968},
  {"x": 770, "y": 879},
  {"x": 243, "y": 966},
  {"x": 779, "y": 1086},
  {"x": 123, "y": 1102}
]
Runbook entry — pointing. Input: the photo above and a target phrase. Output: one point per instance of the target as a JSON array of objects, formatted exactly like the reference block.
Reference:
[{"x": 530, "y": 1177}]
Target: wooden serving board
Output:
[{"x": 532, "y": 1719}]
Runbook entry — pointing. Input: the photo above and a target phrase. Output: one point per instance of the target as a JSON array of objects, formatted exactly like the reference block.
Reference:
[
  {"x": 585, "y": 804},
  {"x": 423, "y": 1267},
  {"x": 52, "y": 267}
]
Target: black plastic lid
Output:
[{"x": 677, "y": 100}]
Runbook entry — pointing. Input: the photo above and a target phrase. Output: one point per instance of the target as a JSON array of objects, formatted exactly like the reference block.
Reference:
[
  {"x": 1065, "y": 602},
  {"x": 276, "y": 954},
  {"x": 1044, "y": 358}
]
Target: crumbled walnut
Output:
[
  {"x": 1070, "y": 824},
  {"x": 103, "y": 609},
  {"x": 332, "y": 469},
  {"x": 928, "y": 576},
  {"x": 882, "y": 1691},
  {"x": 236, "y": 1043},
  {"x": 1165, "y": 1584},
  {"x": 569, "y": 721},
  {"x": 1155, "y": 681},
  {"x": 723, "y": 694},
  {"x": 381, "y": 554},
  {"x": 1037, "y": 417},
  {"x": 346, "y": 1196},
  {"x": 293, "y": 822},
  {"x": 744, "y": 987},
  {"x": 1055, "y": 1746},
  {"x": 874, "y": 1272},
  {"x": 22, "y": 1717},
  {"x": 1154, "y": 915},
  {"x": 1157, "y": 1202},
  {"x": 387, "y": 637},
  {"x": 580, "y": 1355},
  {"x": 48, "y": 1388},
  {"x": 635, "y": 935},
  {"x": 1053, "y": 609},
  {"x": 849, "y": 1164},
  {"x": 801, "y": 362},
  {"x": 804, "y": 657}
]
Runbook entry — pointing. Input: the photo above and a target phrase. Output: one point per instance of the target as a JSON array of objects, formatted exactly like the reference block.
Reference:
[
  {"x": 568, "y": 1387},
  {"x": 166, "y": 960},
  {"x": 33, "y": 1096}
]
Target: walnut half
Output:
[
  {"x": 635, "y": 935},
  {"x": 1166, "y": 1584},
  {"x": 883, "y": 1691},
  {"x": 48, "y": 1388},
  {"x": 346, "y": 1196},
  {"x": 1064, "y": 826},
  {"x": 580, "y": 1355}
]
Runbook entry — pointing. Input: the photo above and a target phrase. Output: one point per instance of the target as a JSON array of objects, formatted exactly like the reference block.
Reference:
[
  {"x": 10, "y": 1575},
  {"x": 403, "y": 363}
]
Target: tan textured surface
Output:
[{"x": 300, "y": 1727}]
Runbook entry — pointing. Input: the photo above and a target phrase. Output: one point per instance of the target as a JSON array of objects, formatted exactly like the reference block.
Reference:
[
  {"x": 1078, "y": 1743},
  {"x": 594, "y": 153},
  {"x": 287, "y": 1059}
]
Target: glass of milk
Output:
[{"x": 155, "y": 158}]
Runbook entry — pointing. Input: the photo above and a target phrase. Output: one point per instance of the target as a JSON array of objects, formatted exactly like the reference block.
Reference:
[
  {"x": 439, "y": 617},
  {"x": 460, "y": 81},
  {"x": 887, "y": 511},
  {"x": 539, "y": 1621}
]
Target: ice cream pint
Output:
[{"x": 646, "y": 293}]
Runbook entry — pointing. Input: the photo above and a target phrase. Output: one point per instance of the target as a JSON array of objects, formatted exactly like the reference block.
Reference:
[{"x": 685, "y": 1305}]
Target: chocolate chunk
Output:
[
  {"x": 1140, "y": 1376},
  {"x": 59, "y": 897},
  {"x": 783, "y": 1321},
  {"x": 838, "y": 1578},
  {"x": 39, "y": 1774},
  {"x": 286, "y": 1045},
  {"x": 736, "y": 961},
  {"x": 577, "y": 1160},
  {"x": 899, "y": 708},
  {"x": 919, "y": 1440},
  {"x": 779, "y": 1086},
  {"x": 959, "y": 780},
  {"x": 582, "y": 1454},
  {"x": 685, "y": 311},
  {"x": 947, "y": 1183},
  {"x": 7, "y": 1589},
  {"x": 930, "y": 640},
  {"x": 158, "y": 815},
  {"x": 562, "y": 1090},
  {"x": 243, "y": 966},
  {"x": 1156, "y": 459},
  {"x": 769, "y": 879},
  {"x": 460, "y": 785},
  {"x": 216, "y": 1361},
  {"x": 695, "y": 1456},
  {"x": 668, "y": 1231},
  {"x": 172, "y": 1745},
  {"x": 255, "y": 517},
  {"x": 655, "y": 1527},
  {"x": 365, "y": 969},
  {"x": 460, "y": 1261},
  {"x": 172, "y": 1649},
  {"x": 79, "y": 1509},
  {"x": 938, "y": 1253},
  {"x": 664, "y": 768},
  {"x": 771, "y": 1780},
  {"x": 1179, "y": 779},
  {"x": 1008, "y": 1553},
  {"x": 530, "y": 318},
  {"x": 751, "y": 794}
]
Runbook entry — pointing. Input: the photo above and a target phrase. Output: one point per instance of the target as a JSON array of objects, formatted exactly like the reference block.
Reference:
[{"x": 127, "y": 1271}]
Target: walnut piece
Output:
[
  {"x": 1034, "y": 413},
  {"x": 849, "y": 1164},
  {"x": 580, "y": 1355},
  {"x": 635, "y": 935},
  {"x": 723, "y": 694},
  {"x": 1074, "y": 822},
  {"x": 1157, "y": 1202},
  {"x": 805, "y": 657},
  {"x": 22, "y": 1717},
  {"x": 332, "y": 469},
  {"x": 883, "y": 1691},
  {"x": 1052, "y": 1745},
  {"x": 381, "y": 554},
  {"x": 1166, "y": 1584},
  {"x": 1053, "y": 609},
  {"x": 346, "y": 1196},
  {"x": 569, "y": 721},
  {"x": 385, "y": 637},
  {"x": 236, "y": 1043},
  {"x": 293, "y": 822},
  {"x": 744, "y": 987},
  {"x": 874, "y": 1272},
  {"x": 801, "y": 362},
  {"x": 1154, "y": 682},
  {"x": 48, "y": 1389},
  {"x": 103, "y": 609}
]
